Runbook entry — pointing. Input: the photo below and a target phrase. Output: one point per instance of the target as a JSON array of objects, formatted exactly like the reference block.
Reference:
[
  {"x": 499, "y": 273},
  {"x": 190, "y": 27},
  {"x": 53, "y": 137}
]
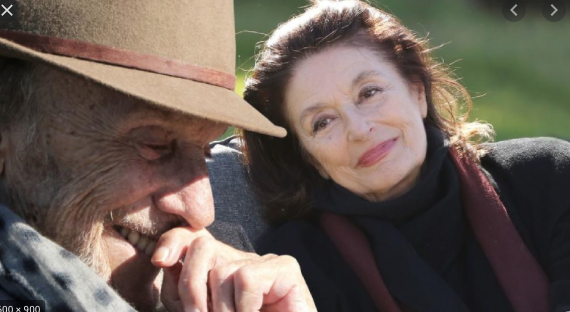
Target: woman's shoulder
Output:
[
  {"x": 530, "y": 167},
  {"x": 529, "y": 154},
  {"x": 532, "y": 176},
  {"x": 531, "y": 171}
]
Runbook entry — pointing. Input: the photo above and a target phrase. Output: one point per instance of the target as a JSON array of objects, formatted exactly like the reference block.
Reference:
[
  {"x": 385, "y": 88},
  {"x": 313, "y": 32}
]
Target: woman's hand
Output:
[{"x": 218, "y": 278}]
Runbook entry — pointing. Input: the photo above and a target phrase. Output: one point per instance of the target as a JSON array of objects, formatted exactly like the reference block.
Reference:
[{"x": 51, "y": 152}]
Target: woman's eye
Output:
[
  {"x": 369, "y": 92},
  {"x": 320, "y": 124}
]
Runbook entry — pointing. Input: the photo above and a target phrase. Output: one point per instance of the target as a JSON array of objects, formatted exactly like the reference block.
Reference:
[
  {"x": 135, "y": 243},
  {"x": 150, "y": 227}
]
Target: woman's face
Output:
[{"x": 359, "y": 120}]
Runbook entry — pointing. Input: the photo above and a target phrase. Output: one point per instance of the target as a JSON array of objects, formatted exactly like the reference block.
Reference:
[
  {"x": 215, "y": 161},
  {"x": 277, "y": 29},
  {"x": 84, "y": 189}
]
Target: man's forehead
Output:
[
  {"x": 195, "y": 128},
  {"x": 142, "y": 111}
]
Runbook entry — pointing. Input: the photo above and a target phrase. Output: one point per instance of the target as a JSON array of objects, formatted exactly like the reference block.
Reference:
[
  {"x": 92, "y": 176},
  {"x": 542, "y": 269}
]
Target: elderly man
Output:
[{"x": 106, "y": 112}]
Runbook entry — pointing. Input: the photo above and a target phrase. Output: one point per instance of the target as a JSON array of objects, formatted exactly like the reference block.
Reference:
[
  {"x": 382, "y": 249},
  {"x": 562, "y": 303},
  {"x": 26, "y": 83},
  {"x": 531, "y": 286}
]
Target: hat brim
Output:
[{"x": 186, "y": 96}]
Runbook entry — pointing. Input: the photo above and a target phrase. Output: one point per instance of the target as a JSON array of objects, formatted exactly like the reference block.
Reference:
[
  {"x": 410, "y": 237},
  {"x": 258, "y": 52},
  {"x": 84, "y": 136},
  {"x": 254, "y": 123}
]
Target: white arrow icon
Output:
[
  {"x": 555, "y": 10},
  {"x": 513, "y": 9}
]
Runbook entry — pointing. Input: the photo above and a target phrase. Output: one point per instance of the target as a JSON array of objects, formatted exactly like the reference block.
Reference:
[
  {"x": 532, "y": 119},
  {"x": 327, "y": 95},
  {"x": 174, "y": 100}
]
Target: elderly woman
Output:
[{"x": 389, "y": 198}]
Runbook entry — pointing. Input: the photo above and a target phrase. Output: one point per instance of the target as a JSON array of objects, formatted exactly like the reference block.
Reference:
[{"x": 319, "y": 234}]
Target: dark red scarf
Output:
[{"x": 518, "y": 273}]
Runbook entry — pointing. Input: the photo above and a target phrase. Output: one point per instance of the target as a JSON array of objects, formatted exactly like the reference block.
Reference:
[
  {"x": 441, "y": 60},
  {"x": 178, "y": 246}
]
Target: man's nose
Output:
[
  {"x": 187, "y": 193},
  {"x": 358, "y": 127}
]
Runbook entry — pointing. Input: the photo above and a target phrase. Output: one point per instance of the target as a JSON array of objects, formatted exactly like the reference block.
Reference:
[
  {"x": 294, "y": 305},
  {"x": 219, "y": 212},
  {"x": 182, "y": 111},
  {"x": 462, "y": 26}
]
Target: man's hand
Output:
[{"x": 218, "y": 278}]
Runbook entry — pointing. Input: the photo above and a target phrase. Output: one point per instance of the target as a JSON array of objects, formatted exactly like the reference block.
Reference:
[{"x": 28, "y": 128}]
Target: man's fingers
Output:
[
  {"x": 221, "y": 284},
  {"x": 193, "y": 283},
  {"x": 275, "y": 283},
  {"x": 204, "y": 255},
  {"x": 173, "y": 244},
  {"x": 216, "y": 277},
  {"x": 169, "y": 292}
]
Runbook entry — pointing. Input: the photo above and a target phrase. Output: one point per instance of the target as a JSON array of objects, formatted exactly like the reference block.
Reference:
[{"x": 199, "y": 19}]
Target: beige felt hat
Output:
[{"x": 178, "y": 54}]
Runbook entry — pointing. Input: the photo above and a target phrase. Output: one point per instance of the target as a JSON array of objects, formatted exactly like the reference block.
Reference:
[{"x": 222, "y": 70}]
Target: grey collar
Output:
[{"x": 32, "y": 267}]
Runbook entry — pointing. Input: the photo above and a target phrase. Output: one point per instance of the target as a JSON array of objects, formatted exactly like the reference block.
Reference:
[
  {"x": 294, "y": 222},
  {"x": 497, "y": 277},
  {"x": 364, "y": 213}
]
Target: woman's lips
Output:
[{"x": 376, "y": 153}]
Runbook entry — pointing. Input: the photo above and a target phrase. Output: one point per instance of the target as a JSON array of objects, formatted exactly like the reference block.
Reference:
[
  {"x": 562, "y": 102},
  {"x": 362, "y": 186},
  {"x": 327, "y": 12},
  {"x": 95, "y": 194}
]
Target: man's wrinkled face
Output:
[{"x": 108, "y": 174}]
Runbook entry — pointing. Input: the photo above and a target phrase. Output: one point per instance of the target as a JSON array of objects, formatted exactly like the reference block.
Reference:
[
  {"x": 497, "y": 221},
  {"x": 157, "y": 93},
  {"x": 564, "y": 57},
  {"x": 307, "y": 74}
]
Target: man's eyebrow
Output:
[{"x": 365, "y": 75}]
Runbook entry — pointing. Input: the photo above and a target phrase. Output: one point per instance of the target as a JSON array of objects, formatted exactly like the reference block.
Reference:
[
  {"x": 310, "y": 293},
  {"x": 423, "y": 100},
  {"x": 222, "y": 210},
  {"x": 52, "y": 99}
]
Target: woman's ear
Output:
[
  {"x": 313, "y": 162},
  {"x": 322, "y": 172},
  {"x": 420, "y": 93}
]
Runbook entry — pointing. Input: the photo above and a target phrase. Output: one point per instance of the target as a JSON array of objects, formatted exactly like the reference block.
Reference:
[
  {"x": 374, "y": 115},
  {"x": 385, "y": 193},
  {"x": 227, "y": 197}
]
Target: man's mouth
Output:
[{"x": 141, "y": 242}]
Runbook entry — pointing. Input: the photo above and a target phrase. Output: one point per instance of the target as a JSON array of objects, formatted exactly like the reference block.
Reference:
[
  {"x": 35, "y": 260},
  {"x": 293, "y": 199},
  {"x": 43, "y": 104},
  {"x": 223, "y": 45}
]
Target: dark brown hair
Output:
[{"x": 282, "y": 175}]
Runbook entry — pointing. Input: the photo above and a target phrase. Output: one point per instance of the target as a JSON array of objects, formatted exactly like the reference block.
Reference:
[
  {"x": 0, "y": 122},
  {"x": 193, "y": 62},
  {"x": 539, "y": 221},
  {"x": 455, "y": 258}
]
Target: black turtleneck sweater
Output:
[{"x": 425, "y": 249}]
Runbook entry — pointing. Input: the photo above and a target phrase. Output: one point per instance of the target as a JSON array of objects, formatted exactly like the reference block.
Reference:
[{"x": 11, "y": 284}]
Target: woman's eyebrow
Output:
[
  {"x": 365, "y": 75},
  {"x": 310, "y": 110},
  {"x": 358, "y": 79}
]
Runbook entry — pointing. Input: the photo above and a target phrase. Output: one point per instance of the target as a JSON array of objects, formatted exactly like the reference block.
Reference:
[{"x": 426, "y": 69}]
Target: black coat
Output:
[{"x": 532, "y": 178}]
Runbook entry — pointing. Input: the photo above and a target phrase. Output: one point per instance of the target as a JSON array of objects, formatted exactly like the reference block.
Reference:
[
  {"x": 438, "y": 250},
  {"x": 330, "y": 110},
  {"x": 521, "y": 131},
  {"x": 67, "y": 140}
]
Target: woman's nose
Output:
[{"x": 358, "y": 127}]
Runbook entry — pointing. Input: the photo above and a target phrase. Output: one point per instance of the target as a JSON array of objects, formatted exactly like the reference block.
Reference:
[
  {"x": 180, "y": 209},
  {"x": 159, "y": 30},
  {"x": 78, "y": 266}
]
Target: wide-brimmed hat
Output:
[{"x": 178, "y": 54}]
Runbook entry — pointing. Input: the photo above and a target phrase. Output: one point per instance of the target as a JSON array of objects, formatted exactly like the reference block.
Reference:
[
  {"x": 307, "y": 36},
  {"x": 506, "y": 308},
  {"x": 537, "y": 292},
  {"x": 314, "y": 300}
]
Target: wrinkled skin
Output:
[
  {"x": 102, "y": 159},
  {"x": 343, "y": 102},
  {"x": 215, "y": 277}
]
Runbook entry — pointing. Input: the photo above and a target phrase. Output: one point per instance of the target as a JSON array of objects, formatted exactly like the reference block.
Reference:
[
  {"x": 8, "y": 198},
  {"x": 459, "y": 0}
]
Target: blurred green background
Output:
[{"x": 518, "y": 73}]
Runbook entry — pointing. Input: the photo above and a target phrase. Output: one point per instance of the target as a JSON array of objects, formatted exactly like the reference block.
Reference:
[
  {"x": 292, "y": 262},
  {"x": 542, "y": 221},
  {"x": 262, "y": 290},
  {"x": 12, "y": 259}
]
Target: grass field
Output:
[{"x": 517, "y": 72}]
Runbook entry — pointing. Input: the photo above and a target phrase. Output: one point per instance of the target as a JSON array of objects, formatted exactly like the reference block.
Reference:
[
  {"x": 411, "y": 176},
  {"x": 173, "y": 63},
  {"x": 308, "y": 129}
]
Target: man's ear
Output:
[
  {"x": 5, "y": 146},
  {"x": 3, "y": 149}
]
